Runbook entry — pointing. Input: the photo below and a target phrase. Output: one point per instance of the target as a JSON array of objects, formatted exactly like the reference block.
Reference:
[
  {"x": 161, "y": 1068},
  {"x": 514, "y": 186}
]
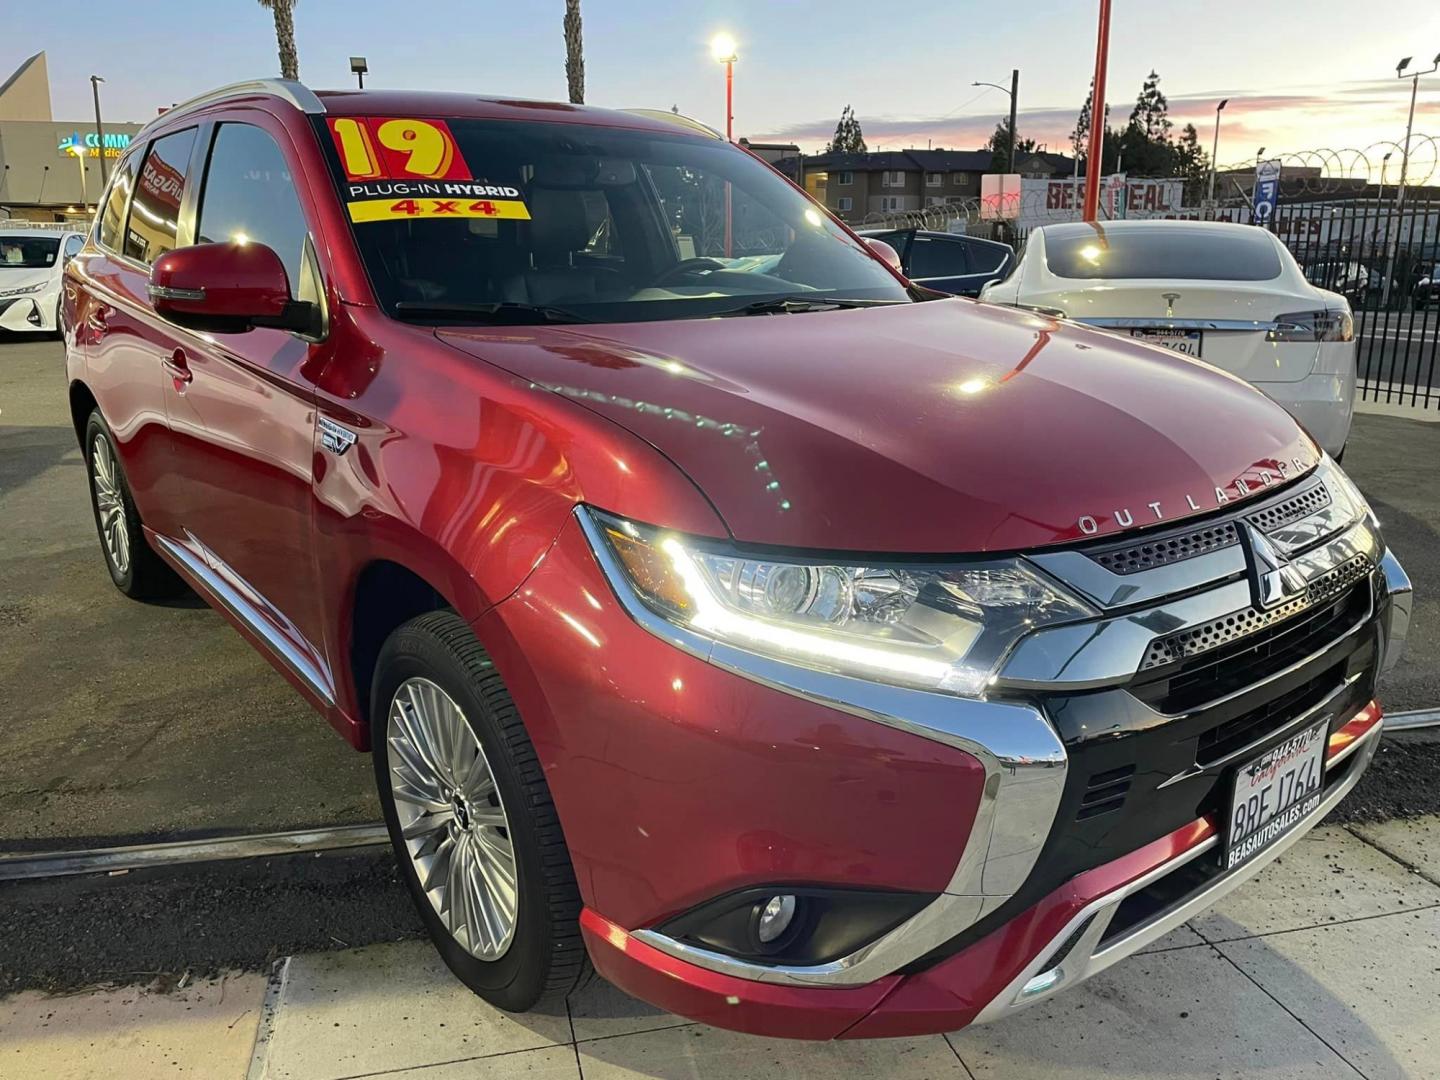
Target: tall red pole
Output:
[
  {"x": 1095, "y": 155},
  {"x": 729, "y": 137}
]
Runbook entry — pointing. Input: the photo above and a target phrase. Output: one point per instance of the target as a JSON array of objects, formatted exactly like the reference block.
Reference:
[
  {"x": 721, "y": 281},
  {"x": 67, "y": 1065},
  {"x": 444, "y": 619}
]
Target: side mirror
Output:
[
  {"x": 886, "y": 254},
  {"x": 227, "y": 289}
]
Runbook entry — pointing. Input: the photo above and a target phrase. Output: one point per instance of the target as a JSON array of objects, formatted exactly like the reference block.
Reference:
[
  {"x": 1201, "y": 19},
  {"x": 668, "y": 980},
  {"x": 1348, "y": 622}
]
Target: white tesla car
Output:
[
  {"x": 1230, "y": 295},
  {"x": 32, "y": 264}
]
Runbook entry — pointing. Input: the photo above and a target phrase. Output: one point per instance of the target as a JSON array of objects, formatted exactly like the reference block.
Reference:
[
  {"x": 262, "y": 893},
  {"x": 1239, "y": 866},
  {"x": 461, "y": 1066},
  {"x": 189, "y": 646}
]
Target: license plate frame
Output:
[
  {"x": 1185, "y": 342},
  {"x": 1273, "y": 793}
]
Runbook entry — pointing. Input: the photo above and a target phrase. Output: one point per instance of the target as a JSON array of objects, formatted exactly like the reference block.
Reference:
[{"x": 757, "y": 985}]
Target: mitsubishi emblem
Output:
[{"x": 1273, "y": 578}]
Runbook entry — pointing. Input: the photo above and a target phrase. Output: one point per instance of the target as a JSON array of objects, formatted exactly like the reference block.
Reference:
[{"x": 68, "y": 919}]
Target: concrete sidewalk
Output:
[{"x": 1324, "y": 966}]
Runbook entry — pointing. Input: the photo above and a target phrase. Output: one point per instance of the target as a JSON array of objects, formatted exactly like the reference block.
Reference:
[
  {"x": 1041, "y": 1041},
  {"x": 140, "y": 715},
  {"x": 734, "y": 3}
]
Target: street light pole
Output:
[
  {"x": 95, "y": 81},
  {"x": 1014, "y": 93},
  {"x": 1380, "y": 199},
  {"x": 1094, "y": 156},
  {"x": 1215, "y": 151},
  {"x": 722, "y": 48},
  {"x": 1414, "y": 78}
]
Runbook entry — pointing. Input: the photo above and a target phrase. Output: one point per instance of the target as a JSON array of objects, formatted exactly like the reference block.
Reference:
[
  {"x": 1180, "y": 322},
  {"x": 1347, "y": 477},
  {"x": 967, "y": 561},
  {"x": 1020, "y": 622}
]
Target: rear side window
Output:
[
  {"x": 931, "y": 258},
  {"x": 1229, "y": 254},
  {"x": 984, "y": 258},
  {"x": 249, "y": 194},
  {"x": 155, "y": 209},
  {"x": 112, "y": 218}
]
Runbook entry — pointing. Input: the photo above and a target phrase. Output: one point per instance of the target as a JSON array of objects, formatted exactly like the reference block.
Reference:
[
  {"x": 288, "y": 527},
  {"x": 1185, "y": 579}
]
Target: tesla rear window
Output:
[{"x": 1238, "y": 254}]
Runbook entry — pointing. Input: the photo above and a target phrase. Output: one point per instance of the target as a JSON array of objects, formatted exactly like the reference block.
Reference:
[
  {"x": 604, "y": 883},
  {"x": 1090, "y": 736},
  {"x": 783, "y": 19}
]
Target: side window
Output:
[
  {"x": 249, "y": 194},
  {"x": 931, "y": 258},
  {"x": 155, "y": 209},
  {"x": 984, "y": 258},
  {"x": 112, "y": 218}
]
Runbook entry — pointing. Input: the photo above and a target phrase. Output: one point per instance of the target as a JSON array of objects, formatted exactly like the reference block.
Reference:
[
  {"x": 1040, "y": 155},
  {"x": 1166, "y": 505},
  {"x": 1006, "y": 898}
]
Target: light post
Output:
[
  {"x": 1380, "y": 199},
  {"x": 722, "y": 48},
  {"x": 1214, "y": 151},
  {"x": 1414, "y": 78},
  {"x": 1014, "y": 92},
  {"x": 359, "y": 67},
  {"x": 95, "y": 81}
]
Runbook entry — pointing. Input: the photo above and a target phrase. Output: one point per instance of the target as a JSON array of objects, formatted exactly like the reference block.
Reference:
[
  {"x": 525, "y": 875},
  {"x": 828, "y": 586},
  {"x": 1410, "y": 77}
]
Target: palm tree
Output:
[
  {"x": 574, "y": 53},
  {"x": 285, "y": 35}
]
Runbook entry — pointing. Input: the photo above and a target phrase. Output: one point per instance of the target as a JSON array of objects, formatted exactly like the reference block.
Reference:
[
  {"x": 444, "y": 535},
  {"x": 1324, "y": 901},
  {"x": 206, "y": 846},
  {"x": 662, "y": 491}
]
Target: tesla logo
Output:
[
  {"x": 1170, "y": 298},
  {"x": 1273, "y": 578}
]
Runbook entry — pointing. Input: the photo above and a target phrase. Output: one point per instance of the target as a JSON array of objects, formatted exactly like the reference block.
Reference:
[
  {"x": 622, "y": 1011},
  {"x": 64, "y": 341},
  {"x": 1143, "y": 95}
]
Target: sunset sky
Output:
[{"x": 1299, "y": 75}]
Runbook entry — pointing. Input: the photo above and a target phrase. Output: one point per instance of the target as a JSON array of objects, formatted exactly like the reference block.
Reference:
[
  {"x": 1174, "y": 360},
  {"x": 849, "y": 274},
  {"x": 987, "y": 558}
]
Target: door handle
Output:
[{"x": 178, "y": 368}]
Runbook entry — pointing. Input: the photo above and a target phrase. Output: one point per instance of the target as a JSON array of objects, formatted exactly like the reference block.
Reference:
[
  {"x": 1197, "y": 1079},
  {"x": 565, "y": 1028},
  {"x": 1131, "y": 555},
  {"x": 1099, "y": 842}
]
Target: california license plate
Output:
[
  {"x": 1274, "y": 793},
  {"x": 1182, "y": 341}
]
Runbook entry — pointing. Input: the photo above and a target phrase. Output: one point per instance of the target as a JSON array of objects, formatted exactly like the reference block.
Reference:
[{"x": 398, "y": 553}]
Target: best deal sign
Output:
[{"x": 1044, "y": 202}]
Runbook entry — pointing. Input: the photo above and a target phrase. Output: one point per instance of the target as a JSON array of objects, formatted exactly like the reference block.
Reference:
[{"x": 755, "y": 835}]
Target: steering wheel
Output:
[{"x": 687, "y": 266}]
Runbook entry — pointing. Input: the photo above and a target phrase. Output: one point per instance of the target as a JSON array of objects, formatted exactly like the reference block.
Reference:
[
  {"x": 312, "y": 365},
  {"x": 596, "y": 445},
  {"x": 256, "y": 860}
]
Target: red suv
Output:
[{"x": 814, "y": 657}]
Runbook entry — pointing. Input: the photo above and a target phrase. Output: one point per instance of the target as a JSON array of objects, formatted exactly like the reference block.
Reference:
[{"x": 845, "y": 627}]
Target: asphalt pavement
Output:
[{"x": 121, "y": 720}]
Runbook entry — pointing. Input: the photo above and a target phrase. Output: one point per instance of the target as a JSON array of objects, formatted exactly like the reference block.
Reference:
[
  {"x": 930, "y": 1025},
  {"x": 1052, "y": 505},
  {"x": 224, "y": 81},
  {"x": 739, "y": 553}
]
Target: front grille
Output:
[
  {"x": 1133, "y": 558},
  {"x": 1206, "y": 676},
  {"x": 1292, "y": 509},
  {"x": 1220, "y": 742},
  {"x": 1105, "y": 792}
]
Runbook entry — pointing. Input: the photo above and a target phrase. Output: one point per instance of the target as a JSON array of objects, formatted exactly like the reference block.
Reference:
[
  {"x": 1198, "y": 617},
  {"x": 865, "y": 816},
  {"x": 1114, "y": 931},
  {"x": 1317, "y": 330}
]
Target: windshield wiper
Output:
[
  {"x": 507, "y": 311},
  {"x": 791, "y": 305}
]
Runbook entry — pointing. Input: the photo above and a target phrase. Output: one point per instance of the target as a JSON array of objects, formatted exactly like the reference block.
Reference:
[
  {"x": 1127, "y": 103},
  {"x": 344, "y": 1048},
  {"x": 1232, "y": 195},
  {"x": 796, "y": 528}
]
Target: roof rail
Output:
[
  {"x": 296, "y": 93},
  {"x": 677, "y": 119}
]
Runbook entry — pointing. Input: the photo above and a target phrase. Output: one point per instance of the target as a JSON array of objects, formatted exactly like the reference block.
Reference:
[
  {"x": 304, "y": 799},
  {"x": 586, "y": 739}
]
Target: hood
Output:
[
  {"x": 935, "y": 428},
  {"x": 20, "y": 277}
]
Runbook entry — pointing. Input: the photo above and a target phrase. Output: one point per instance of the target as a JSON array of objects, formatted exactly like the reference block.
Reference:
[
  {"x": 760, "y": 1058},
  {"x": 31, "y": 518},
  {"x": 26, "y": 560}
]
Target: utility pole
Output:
[
  {"x": 95, "y": 81},
  {"x": 1014, "y": 93},
  {"x": 1095, "y": 155}
]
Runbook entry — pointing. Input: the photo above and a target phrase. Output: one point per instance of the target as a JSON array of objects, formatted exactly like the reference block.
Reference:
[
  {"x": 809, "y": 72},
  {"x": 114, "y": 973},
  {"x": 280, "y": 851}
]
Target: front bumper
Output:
[
  {"x": 1091, "y": 919},
  {"x": 1072, "y": 814},
  {"x": 24, "y": 314}
]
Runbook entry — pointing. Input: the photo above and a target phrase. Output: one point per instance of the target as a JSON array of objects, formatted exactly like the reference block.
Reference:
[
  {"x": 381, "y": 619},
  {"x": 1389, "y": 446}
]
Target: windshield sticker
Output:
[
  {"x": 390, "y": 148},
  {"x": 397, "y": 200}
]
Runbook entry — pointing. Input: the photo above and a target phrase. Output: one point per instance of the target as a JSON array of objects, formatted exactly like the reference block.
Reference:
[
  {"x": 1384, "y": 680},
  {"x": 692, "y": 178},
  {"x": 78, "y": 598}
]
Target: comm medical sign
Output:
[{"x": 87, "y": 144}]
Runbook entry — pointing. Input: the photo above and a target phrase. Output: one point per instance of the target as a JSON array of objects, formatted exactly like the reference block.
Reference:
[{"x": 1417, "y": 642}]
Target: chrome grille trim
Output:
[
  {"x": 1301, "y": 505},
  {"x": 1243, "y": 623}
]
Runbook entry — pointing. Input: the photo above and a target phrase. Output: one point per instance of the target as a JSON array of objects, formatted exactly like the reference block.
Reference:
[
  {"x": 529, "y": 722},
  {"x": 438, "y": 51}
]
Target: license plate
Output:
[
  {"x": 1181, "y": 341},
  {"x": 1274, "y": 793}
]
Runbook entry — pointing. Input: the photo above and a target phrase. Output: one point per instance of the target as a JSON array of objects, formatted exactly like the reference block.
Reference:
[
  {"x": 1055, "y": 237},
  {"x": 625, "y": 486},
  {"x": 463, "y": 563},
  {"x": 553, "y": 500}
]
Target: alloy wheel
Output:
[
  {"x": 451, "y": 818},
  {"x": 114, "y": 530}
]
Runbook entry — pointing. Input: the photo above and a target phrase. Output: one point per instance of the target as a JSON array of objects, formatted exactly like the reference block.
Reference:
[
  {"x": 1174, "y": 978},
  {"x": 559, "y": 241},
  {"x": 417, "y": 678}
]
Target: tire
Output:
[
  {"x": 430, "y": 666},
  {"x": 135, "y": 569}
]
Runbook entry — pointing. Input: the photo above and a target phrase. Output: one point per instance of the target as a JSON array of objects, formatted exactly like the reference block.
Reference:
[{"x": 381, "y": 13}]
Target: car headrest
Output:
[{"x": 557, "y": 223}]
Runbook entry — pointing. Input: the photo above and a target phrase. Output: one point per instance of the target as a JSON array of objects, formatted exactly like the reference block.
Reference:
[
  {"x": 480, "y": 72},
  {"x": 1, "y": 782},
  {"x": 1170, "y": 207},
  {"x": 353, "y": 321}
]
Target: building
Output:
[
  {"x": 858, "y": 187},
  {"x": 50, "y": 170}
]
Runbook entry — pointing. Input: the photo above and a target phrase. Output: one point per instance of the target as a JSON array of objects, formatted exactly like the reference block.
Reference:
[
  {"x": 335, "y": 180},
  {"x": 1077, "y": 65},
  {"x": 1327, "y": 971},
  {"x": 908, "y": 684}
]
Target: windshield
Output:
[
  {"x": 28, "y": 252},
  {"x": 1161, "y": 251},
  {"x": 603, "y": 224}
]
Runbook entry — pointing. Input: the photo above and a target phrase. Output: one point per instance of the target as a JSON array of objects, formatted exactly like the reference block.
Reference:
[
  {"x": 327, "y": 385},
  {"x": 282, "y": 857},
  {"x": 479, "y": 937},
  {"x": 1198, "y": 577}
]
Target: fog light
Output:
[{"x": 775, "y": 918}]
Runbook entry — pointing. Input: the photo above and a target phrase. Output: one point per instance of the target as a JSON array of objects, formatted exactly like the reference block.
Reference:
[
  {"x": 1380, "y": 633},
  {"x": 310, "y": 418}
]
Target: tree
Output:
[
  {"x": 999, "y": 147},
  {"x": 848, "y": 138},
  {"x": 1191, "y": 160},
  {"x": 1152, "y": 112},
  {"x": 1080, "y": 137},
  {"x": 284, "y": 12},
  {"x": 574, "y": 53}
]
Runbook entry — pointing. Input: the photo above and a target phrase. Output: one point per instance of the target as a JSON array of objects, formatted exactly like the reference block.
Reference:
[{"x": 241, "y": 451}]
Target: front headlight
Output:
[
  {"x": 935, "y": 627},
  {"x": 23, "y": 290}
]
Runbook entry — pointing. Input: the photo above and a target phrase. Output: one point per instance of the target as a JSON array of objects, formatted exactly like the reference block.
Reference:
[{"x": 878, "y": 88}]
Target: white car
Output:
[
  {"x": 32, "y": 265},
  {"x": 1230, "y": 295}
]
